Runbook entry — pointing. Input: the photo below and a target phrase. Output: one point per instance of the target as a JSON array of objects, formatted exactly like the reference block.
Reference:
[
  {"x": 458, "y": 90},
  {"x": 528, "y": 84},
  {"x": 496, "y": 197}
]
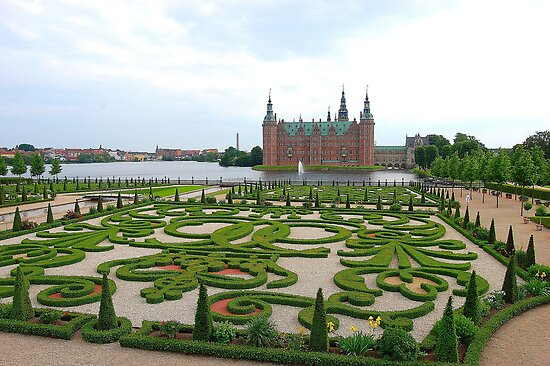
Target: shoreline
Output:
[{"x": 293, "y": 168}]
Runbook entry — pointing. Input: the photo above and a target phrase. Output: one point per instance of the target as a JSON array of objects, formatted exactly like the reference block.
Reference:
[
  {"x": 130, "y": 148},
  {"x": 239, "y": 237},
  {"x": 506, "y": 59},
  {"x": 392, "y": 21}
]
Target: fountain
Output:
[{"x": 300, "y": 167}]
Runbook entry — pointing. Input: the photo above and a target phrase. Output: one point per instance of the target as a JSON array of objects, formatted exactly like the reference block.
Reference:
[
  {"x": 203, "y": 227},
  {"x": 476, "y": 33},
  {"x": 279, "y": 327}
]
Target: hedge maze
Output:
[{"x": 237, "y": 248}]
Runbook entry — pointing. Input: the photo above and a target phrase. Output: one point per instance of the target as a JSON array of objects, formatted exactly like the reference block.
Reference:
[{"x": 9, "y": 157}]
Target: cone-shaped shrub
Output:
[
  {"x": 446, "y": 347},
  {"x": 510, "y": 285},
  {"x": 288, "y": 199},
  {"x": 423, "y": 198},
  {"x": 450, "y": 209},
  {"x": 347, "y": 201},
  {"x": 311, "y": 193},
  {"x": 510, "y": 249},
  {"x": 442, "y": 205},
  {"x": 151, "y": 193},
  {"x": 17, "y": 188},
  {"x": 457, "y": 212},
  {"x": 177, "y": 195},
  {"x": 24, "y": 194},
  {"x": 203, "y": 319},
  {"x": 230, "y": 198},
  {"x": 492, "y": 234},
  {"x": 466, "y": 218},
  {"x": 471, "y": 306},
  {"x": 119, "y": 201},
  {"x": 21, "y": 308},
  {"x": 136, "y": 198},
  {"x": 317, "y": 203},
  {"x": 44, "y": 193},
  {"x": 77, "y": 209},
  {"x": 478, "y": 220},
  {"x": 99, "y": 204},
  {"x": 318, "y": 340},
  {"x": 453, "y": 196},
  {"x": 2, "y": 196},
  {"x": 107, "y": 318},
  {"x": 17, "y": 221},
  {"x": 379, "y": 203},
  {"x": 49, "y": 218},
  {"x": 411, "y": 208},
  {"x": 366, "y": 197},
  {"x": 203, "y": 197},
  {"x": 530, "y": 254}
]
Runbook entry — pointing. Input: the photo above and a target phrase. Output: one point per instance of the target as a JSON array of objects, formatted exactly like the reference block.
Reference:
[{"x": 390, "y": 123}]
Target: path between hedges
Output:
[{"x": 29, "y": 350}]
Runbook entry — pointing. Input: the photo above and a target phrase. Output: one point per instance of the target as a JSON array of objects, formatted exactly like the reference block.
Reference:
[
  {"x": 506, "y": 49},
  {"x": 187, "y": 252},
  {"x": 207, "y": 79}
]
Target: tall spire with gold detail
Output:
[
  {"x": 269, "y": 116},
  {"x": 343, "y": 111},
  {"x": 366, "y": 114}
]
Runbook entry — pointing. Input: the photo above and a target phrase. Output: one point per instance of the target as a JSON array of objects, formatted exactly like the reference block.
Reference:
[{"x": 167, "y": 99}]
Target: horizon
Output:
[{"x": 131, "y": 77}]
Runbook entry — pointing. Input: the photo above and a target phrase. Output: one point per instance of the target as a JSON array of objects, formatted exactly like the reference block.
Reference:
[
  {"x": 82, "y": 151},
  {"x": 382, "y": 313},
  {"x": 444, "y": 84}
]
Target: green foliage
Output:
[
  {"x": 536, "y": 287},
  {"x": 446, "y": 347},
  {"x": 49, "y": 218},
  {"x": 37, "y": 165},
  {"x": 169, "y": 328},
  {"x": 318, "y": 341},
  {"x": 510, "y": 249},
  {"x": 411, "y": 208},
  {"x": 119, "y": 201},
  {"x": 358, "y": 344},
  {"x": 107, "y": 319},
  {"x": 466, "y": 220},
  {"x": 395, "y": 207},
  {"x": 398, "y": 345},
  {"x": 379, "y": 203},
  {"x": 510, "y": 286},
  {"x": 541, "y": 211},
  {"x": 21, "y": 308},
  {"x": 16, "y": 221},
  {"x": 50, "y": 316},
  {"x": 492, "y": 234},
  {"x": 90, "y": 331},
  {"x": 224, "y": 332},
  {"x": 471, "y": 306},
  {"x": 56, "y": 167},
  {"x": 203, "y": 319},
  {"x": 3, "y": 166},
  {"x": 260, "y": 332},
  {"x": 99, "y": 207},
  {"x": 203, "y": 197},
  {"x": 18, "y": 166},
  {"x": 478, "y": 221}
]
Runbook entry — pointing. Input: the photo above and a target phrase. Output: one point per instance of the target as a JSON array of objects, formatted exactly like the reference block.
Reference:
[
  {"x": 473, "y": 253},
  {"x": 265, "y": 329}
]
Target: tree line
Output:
[
  {"x": 35, "y": 161},
  {"x": 234, "y": 157}
]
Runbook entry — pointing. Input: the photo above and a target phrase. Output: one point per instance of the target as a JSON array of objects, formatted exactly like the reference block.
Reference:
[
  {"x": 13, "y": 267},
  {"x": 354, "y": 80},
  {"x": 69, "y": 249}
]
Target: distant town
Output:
[{"x": 90, "y": 155}]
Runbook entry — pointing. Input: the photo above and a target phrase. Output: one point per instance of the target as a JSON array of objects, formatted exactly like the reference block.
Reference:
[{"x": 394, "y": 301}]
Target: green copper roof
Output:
[
  {"x": 340, "y": 126},
  {"x": 390, "y": 148}
]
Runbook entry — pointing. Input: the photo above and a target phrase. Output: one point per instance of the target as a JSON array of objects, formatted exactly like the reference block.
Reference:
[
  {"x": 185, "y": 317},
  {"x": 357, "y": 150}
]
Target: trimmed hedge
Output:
[{"x": 90, "y": 333}]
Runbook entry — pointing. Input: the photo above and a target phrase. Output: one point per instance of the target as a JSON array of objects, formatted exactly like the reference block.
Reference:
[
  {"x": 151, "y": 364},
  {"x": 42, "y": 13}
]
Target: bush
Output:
[
  {"x": 28, "y": 224},
  {"x": 50, "y": 316},
  {"x": 465, "y": 328},
  {"x": 318, "y": 341},
  {"x": 527, "y": 206},
  {"x": 21, "y": 308},
  {"x": 295, "y": 341},
  {"x": 211, "y": 200},
  {"x": 224, "y": 332},
  {"x": 494, "y": 299},
  {"x": 203, "y": 319},
  {"x": 111, "y": 207},
  {"x": 510, "y": 285},
  {"x": 191, "y": 200},
  {"x": 536, "y": 287},
  {"x": 396, "y": 207},
  {"x": 471, "y": 306},
  {"x": 492, "y": 234},
  {"x": 357, "y": 344},
  {"x": 539, "y": 271},
  {"x": 169, "y": 328},
  {"x": 93, "y": 210},
  {"x": 398, "y": 345},
  {"x": 541, "y": 211},
  {"x": 260, "y": 332},
  {"x": 530, "y": 254},
  {"x": 446, "y": 346},
  {"x": 107, "y": 319}
]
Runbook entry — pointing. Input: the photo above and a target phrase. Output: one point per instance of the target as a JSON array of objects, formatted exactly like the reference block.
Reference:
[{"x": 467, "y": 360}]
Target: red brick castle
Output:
[{"x": 337, "y": 141}]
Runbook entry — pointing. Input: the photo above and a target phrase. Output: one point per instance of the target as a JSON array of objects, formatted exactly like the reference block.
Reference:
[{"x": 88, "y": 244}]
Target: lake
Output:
[{"x": 187, "y": 170}]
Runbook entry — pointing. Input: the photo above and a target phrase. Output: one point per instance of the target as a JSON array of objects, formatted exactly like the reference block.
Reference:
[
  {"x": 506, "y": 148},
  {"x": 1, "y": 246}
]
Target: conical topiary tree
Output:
[
  {"x": 119, "y": 201},
  {"x": 17, "y": 221},
  {"x": 379, "y": 203},
  {"x": 422, "y": 198},
  {"x": 478, "y": 220},
  {"x": 2, "y": 196},
  {"x": 457, "y": 212},
  {"x": 347, "y": 201},
  {"x": 49, "y": 217},
  {"x": 203, "y": 196},
  {"x": 530, "y": 253},
  {"x": 230, "y": 198},
  {"x": 510, "y": 285},
  {"x": 317, "y": 203},
  {"x": 177, "y": 195},
  {"x": 510, "y": 248},
  {"x": 411, "y": 208},
  {"x": 466, "y": 218},
  {"x": 471, "y": 306},
  {"x": 99, "y": 204},
  {"x": 453, "y": 196},
  {"x": 446, "y": 346},
  {"x": 310, "y": 193},
  {"x": 288, "y": 199},
  {"x": 24, "y": 194},
  {"x": 106, "y": 319},
  {"x": 450, "y": 209},
  {"x": 203, "y": 319},
  {"x": 21, "y": 308},
  {"x": 44, "y": 192},
  {"x": 136, "y": 198},
  {"x": 151, "y": 193},
  {"x": 492, "y": 234},
  {"x": 318, "y": 340}
]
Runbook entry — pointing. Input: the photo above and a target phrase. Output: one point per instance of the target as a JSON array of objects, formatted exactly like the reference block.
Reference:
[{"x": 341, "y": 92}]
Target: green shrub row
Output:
[{"x": 91, "y": 334}]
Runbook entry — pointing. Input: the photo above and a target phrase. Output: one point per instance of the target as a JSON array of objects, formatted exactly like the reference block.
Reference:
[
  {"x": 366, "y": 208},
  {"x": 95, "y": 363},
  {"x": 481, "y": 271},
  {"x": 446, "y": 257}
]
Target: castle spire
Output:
[
  {"x": 366, "y": 114},
  {"x": 269, "y": 116},
  {"x": 328, "y": 115},
  {"x": 343, "y": 111}
]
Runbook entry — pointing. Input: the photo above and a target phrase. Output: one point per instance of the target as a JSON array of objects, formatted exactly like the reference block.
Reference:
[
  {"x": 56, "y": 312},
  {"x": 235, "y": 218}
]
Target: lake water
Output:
[{"x": 186, "y": 170}]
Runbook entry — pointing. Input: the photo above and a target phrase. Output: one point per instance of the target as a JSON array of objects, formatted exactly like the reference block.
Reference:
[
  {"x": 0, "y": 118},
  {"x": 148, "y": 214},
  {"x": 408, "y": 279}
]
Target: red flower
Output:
[
  {"x": 66, "y": 313},
  {"x": 162, "y": 322}
]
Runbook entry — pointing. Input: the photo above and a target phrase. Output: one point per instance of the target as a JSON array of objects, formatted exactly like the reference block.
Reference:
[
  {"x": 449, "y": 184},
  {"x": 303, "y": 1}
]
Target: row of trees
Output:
[
  {"x": 441, "y": 147},
  {"x": 234, "y": 157},
  {"x": 37, "y": 165}
]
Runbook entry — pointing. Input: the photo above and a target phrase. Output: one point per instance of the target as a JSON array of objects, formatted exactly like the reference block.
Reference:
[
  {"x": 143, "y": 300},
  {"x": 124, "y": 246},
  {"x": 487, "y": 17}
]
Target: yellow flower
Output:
[
  {"x": 353, "y": 328},
  {"x": 330, "y": 326},
  {"x": 301, "y": 330},
  {"x": 543, "y": 275},
  {"x": 378, "y": 319}
]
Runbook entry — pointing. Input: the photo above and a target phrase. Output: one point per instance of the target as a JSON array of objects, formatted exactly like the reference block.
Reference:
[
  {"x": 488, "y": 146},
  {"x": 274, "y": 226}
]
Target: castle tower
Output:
[
  {"x": 366, "y": 134},
  {"x": 269, "y": 129},
  {"x": 343, "y": 111}
]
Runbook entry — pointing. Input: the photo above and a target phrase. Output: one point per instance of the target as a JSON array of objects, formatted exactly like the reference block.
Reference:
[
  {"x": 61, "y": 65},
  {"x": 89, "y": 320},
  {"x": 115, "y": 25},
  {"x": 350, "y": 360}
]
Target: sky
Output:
[{"x": 193, "y": 74}]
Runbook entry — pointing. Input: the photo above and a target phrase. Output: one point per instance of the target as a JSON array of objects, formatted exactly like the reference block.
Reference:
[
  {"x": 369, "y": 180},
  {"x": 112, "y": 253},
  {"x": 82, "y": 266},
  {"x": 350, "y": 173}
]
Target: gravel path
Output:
[{"x": 56, "y": 352}]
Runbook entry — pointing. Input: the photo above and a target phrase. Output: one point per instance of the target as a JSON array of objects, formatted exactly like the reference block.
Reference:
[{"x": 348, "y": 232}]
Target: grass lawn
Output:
[{"x": 165, "y": 191}]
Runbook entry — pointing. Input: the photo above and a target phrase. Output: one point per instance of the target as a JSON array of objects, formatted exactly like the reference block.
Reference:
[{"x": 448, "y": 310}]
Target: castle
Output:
[{"x": 337, "y": 141}]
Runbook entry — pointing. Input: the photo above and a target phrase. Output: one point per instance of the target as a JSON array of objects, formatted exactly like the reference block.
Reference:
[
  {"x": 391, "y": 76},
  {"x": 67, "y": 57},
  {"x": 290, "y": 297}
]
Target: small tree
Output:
[
  {"x": 3, "y": 166},
  {"x": 466, "y": 218},
  {"x": 457, "y": 212},
  {"x": 119, "y": 201},
  {"x": 22, "y": 307},
  {"x": 203, "y": 196},
  {"x": 317, "y": 203},
  {"x": 18, "y": 166},
  {"x": 2, "y": 196},
  {"x": 478, "y": 220},
  {"x": 288, "y": 199},
  {"x": 258, "y": 199},
  {"x": 37, "y": 165},
  {"x": 177, "y": 195},
  {"x": 411, "y": 208},
  {"x": 203, "y": 319},
  {"x": 446, "y": 347},
  {"x": 17, "y": 220},
  {"x": 379, "y": 203},
  {"x": 530, "y": 254},
  {"x": 77, "y": 209},
  {"x": 422, "y": 198},
  {"x": 106, "y": 319},
  {"x": 24, "y": 194},
  {"x": 99, "y": 204},
  {"x": 44, "y": 192},
  {"x": 471, "y": 306},
  {"x": 49, "y": 218},
  {"x": 136, "y": 198},
  {"x": 492, "y": 234},
  {"x": 510, "y": 249},
  {"x": 318, "y": 340},
  {"x": 310, "y": 194},
  {"x": 55, "y": 168},
  {"x": 347, "y": 201},
  {"x": 510, "y": 285}
]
